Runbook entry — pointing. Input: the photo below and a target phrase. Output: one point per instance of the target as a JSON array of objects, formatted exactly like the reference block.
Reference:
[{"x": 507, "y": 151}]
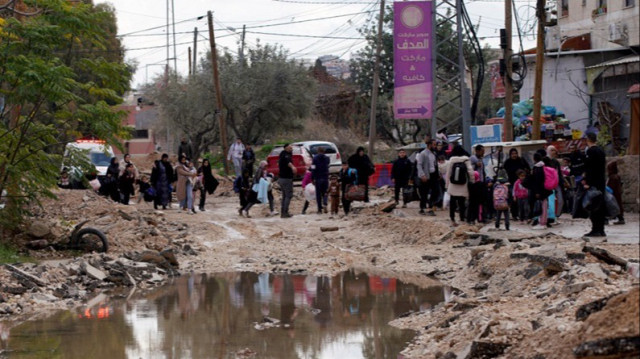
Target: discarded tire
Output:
[{"x": 90, "y": 240}]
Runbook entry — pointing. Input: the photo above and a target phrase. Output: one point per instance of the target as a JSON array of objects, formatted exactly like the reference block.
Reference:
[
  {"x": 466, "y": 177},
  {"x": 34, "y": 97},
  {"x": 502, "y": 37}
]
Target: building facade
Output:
[{"x": 591, "y": 60}]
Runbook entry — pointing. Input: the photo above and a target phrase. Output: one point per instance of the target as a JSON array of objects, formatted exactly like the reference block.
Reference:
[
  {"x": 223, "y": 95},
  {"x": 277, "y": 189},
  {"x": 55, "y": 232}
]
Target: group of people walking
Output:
[{"x": 481, "y": 188}]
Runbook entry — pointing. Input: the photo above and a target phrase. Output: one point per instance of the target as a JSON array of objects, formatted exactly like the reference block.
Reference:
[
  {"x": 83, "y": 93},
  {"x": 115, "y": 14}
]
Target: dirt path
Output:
[{"x": 513, "y": 290}]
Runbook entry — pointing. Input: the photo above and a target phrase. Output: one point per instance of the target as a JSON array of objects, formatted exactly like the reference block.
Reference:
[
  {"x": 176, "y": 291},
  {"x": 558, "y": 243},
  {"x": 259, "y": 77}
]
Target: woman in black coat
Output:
[
  {"x": 361, "y": 162},
  {"x": 111, "y": 180},
  {"x": 512, "y": 165},
  {"x": 209, "y": 182}
]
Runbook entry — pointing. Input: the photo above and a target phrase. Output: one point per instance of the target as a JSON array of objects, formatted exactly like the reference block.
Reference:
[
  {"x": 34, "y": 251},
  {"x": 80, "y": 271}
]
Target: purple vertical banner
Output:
[{"x": 412, "y": 36}]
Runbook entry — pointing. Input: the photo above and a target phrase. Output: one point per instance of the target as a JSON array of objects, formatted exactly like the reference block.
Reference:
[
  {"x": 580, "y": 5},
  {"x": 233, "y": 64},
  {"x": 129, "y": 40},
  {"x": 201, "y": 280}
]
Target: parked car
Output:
[
  {"x": 331, "y": 150},
  {"x": 301, "y": 160},
  {"x": 86, "y": 158}
]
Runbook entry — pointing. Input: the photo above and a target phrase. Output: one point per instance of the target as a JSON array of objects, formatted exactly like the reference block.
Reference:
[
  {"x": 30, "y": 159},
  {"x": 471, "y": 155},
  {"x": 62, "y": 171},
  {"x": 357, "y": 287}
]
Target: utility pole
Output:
[
  {"x": 537, "y": 94},
  {"x": 508, "y": 85},
  {"x": 173, "y": 21},
  {"x": 167, "y": 31},
  {"x": 216, "y": 84},
  {"x": 195, "y": 49},
  {"x": 244, "y": 32},
  {"x": 190, "y": 61},
  {"x": 376, "y": 84}
]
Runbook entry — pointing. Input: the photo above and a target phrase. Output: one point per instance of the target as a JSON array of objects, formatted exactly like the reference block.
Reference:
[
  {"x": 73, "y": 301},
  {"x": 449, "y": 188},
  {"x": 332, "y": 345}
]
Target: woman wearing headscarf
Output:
[
  {"x": 361, "y": 162},
  {"x": 209, "y": 182},
  {"x": 113, "y": 174},
  {"x": 160, "y": 181},
  {"x": 458, "y": 192},
  {"x": 512, "y": 165},
  {"x": 552, "y": 153},
  {"x": 184, "y": 188}
]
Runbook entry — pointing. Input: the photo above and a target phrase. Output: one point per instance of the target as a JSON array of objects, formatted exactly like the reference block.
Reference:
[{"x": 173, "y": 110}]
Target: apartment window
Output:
[
  {"x": 601, "y": 8},
  {"x": 602, "y": 4},
  {"x": 629, "y": 3},
  {"x": 564, "y": 8},
  {"x": 141, "y": 134}
]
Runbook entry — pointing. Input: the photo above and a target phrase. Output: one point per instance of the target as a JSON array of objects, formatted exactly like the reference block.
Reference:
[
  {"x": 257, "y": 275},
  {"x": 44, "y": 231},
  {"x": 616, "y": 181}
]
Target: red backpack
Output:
[
  {"x": 550, "y": 178},
  {"x": 500, "y": 197}
]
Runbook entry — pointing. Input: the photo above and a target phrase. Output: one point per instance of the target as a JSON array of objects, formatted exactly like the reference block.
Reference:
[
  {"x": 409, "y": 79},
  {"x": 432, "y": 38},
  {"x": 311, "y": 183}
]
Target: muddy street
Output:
[{"x": 387, "y": 285}]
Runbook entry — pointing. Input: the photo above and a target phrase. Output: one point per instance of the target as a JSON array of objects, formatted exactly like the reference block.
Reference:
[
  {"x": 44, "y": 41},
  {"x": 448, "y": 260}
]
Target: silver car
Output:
[{"x": 331, "y": 150}]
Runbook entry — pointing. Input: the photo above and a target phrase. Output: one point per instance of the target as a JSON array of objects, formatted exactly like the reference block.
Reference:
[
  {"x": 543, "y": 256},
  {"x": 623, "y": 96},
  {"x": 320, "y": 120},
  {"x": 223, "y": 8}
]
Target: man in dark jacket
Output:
[
  {"x": 185, "y": 149},
  {"x": 320, "y": 177},
  {"x": 594, "y": 176},
  {"x": 577, "y": 158},
  {"x": 400, "y": 174}
]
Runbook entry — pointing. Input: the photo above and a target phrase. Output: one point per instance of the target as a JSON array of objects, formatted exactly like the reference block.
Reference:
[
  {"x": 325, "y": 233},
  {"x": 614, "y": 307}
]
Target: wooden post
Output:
[
  {"x": 376, "y": 84},
  {"x": 508, "y": 85},
  {"x": 537, "y": 94},
  {"x": 190, "y": 61},
  {"x": 216, "y": 84},
  {"x": 195, "y": 50}
]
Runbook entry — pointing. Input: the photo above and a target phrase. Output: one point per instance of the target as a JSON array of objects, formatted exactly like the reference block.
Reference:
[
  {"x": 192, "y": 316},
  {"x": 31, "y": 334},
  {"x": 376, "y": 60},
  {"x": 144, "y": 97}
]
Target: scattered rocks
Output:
[
  {"x": 577, "y": 287},
  {"x": 39, "y": 229},
  {"x": 626, "y": 347},
  {"x": 484, "y": 350},
  {"x": 585, "y": 310}
]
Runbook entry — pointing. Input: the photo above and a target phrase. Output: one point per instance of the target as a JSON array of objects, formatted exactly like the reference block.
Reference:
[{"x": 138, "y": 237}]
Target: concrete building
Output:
[
  {"x": 591, "y": 60},
  {"x": 141, "y": 119},
  {"x": 335, "y": 66}
]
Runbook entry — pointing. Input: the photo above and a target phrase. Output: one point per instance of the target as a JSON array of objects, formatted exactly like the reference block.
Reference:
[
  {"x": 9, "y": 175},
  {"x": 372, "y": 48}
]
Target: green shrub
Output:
[{"x": 10, "y": 255}]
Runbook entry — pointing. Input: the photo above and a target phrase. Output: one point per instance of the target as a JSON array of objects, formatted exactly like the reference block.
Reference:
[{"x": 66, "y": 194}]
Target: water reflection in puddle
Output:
[{"x": 236, "y": 315}]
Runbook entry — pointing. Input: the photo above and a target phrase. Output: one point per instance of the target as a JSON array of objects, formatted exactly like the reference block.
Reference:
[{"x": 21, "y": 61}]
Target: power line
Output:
[
  {"x": 309, "y": 36},
  {"x": 161, "y": 26}
]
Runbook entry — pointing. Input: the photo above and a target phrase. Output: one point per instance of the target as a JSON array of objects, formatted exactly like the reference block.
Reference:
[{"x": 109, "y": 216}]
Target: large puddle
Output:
[{"x": 235, "y": 315}]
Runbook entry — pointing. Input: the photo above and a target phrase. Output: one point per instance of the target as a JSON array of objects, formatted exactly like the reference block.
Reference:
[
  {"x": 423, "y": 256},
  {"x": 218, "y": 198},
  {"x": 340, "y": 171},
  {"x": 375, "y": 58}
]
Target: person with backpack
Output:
[
  {"x": 501, "y": 201},
  {"x": 538, "y": 193},
  {"x": 552, "y": 153},
  {"x": 459, "y": 176},
  {"x": 346, "y": 177}
]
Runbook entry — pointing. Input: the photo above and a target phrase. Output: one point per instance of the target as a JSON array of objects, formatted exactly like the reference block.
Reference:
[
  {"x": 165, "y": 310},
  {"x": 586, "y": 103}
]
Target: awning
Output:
[
  {"x": 612, "y": 67},
  {"x": 623, "y": 60}
]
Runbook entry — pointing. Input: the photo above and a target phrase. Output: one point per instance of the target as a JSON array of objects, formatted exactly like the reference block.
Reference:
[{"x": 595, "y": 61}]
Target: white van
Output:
[{"x": 97, "y": 153}]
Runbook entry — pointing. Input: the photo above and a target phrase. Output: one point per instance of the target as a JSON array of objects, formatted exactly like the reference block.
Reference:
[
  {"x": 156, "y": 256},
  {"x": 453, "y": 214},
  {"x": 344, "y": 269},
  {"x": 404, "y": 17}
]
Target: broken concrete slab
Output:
[
  {"x": 605, "y": 256},
  {"x": 93, "y": 272},
  {"x": 585, "y": 310},
  {"x": 24, "y": 276},
  {"x": 577, "y": 287},
  {"x": 329, "y": 229}
]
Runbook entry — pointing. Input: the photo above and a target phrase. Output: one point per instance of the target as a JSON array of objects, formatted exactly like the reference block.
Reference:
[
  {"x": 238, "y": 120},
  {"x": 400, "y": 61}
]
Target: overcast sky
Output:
[{"x": 328, "y": 18}]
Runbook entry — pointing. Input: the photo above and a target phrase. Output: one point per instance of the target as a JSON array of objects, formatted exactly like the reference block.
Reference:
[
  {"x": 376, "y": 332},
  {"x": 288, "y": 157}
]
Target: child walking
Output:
[
  {"x": 334, "y": 194},
  {"x": 501, "y": 201},
  {"x": 521, "y": 195}
]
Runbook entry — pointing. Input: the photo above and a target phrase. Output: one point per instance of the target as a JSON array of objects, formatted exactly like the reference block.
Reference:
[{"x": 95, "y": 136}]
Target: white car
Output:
[
  {"x": 331, "y": 150},
  {"x": 97, "y": 153}
]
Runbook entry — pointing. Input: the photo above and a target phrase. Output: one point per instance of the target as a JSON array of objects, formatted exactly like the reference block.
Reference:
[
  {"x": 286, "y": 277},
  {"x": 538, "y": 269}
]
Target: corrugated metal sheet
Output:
[{"x": 620, "y": 61}]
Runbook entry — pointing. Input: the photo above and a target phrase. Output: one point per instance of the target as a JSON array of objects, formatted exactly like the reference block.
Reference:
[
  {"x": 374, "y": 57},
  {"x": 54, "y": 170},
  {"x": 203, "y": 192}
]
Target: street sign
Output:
[{"x": 485, "y": 134}]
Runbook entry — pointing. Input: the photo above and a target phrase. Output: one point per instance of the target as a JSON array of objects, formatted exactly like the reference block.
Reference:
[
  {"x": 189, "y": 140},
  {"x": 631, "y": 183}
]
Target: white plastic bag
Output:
[
  {"x": 310, "y": 192},
  {"x": 446, "y": 200},
  {"x": 95, "y": 184}
]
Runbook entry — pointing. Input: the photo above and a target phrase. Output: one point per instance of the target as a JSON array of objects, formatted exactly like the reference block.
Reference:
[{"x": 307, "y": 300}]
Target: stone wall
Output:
[{"x": 629, "y": 168}]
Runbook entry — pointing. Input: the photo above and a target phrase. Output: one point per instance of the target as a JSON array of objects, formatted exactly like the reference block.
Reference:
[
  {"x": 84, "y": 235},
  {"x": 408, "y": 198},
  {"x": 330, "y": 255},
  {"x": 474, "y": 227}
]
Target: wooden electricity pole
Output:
[
  {"x": 376, "y": 84},
  {"x": 190, "y": 61},
  {"x": 216, "y": 84},
  {"x": 537, "y": 91},
  {"x": 508, "y": 85},
  {"x": 195, "y": 49}
]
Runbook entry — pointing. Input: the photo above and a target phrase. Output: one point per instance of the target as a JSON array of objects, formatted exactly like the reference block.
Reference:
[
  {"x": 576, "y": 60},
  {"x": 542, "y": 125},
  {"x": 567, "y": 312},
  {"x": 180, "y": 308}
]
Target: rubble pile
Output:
[
  {"x": 127, "y": 228},
  {"x": 537, "y": 297},
  {"x": 30, "y": 287}
]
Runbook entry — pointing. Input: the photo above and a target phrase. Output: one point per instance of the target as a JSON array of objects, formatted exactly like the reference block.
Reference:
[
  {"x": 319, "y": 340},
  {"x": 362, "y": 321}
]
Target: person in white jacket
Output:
[
  {"x": 235, "y": 155},
  {"x": 456, "y": 183}
]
